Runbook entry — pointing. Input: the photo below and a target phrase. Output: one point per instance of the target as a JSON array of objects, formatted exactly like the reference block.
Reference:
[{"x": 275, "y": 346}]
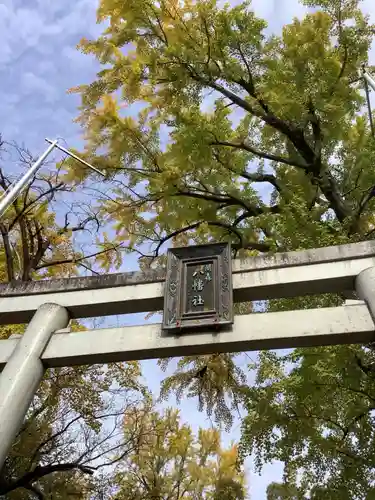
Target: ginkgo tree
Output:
[
  {"x": 261, "y": 140},
  {"x": 270, "y": 124},
  {"x": 169, "y": 462}
]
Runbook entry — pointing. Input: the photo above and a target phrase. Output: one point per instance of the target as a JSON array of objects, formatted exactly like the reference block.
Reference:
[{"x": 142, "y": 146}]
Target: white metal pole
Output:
[
  {"x": 76, "y": 158},
  {"x": 17, "y": 188},
  {"x": 369, "y": 80},
  {"x": 24, "y": 371}
]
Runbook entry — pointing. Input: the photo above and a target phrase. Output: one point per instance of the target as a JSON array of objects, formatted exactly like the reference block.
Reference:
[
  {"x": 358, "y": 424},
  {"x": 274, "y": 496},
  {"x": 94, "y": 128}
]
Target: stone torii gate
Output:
[{"x": 48, "y": 306}]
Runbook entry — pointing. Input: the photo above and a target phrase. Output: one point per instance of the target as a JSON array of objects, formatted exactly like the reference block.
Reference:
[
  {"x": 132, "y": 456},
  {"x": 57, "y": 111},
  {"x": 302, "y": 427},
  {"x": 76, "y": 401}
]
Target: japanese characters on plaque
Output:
[{"x": 198, "y": 289}]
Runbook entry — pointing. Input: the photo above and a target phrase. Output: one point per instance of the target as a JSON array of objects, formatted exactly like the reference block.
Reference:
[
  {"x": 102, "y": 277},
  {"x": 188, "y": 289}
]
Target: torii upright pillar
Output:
[
  {"x": 365, "y": 288},
  {"x": 24, "y": 371}
]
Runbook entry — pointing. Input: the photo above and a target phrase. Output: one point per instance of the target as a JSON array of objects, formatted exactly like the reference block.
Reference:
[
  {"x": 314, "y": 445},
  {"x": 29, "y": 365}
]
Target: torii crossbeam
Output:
[{"x": 49, "y": 305}]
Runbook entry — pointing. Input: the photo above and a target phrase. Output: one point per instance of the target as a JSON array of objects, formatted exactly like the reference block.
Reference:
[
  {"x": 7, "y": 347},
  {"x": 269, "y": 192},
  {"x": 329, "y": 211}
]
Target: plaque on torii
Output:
[{"x": 198, "y": 288}]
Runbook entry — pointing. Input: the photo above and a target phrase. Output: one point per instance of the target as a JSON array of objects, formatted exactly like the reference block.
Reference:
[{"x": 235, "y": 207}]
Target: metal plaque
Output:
[{"x": 198, "y": 287}]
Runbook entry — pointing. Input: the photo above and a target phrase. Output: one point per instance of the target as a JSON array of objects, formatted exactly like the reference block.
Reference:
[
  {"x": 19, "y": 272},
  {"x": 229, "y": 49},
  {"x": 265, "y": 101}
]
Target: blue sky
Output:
[{"x": 38, "y": 63}]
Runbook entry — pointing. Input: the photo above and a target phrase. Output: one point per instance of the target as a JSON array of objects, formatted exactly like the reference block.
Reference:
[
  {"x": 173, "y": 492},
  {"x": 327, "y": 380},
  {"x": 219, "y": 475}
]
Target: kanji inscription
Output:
[{"x": 198, "y": 289}]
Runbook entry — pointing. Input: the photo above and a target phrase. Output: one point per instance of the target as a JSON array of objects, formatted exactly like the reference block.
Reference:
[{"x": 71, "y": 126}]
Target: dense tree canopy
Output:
[
  {"x": 171, "y": 463},
  {"x": 277, "y": 491},
  {"x": 261, "y": 140},
  {"x": 269, "y": 127}
]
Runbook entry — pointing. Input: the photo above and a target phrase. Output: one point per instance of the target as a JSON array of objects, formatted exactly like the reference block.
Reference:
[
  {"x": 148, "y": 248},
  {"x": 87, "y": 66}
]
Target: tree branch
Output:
[
  {"x": 366, "y": 369},
  {"x": 251, "y": 176},
  {"x": 174, "y": 234},
  {"x": 53, "y": 437},
  {"x": 249, "y": 73},
  {"x": 267, "y": 156},
  {"x": 294, "y": 134},
  {"x": 255, "y": 177},
  {"x": 350, "y": 455},
  {"x": 42, "y": 248},
  {"x": 242, "y": 244},
  {"x": 34, "y": 489},
  {"x": 8, "y": 252},
  {"x": 317, "y": 132},
  {"x": 27, "y": 206},
  {"x": 22, "y": 224},
  {"x": 43, "y": 406},
  {"x": 352, "y": 389},
  {"x": 76, "y": 261},
  {"x": 228, "y": 200},
  {"x": 355, "y": 420},
  {"x": 25, "y": 248},
  {"x": 247, "y": 214},
  {"x": 341, "y": 43},
  {"x": 366, "y": 198},
  {"x": 41, "y": 471},
  {"x": 88, "y": 268}
]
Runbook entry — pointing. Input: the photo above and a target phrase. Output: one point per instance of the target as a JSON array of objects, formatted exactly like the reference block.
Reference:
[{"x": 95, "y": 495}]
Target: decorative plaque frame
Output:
[{"x": 198, "y": 287}]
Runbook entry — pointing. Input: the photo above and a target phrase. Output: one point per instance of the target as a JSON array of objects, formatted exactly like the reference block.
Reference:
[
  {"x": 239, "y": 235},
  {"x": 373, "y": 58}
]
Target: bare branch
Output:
[
  {"x": 30, "y": 204},
  {"x": 8, "y": 252},
  {"x": 53, "y": 437},
  {"x": 43, "y": 245},
  {"x": 78, "y": 260}
]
